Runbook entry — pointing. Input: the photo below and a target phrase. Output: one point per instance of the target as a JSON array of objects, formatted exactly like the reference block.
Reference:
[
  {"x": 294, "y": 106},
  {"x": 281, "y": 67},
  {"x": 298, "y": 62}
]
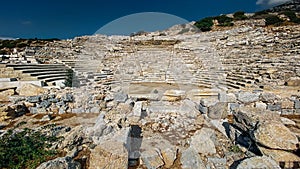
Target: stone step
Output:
[
  {"x": 48, "y": 72},
  {"x": 51, "y": 75}
]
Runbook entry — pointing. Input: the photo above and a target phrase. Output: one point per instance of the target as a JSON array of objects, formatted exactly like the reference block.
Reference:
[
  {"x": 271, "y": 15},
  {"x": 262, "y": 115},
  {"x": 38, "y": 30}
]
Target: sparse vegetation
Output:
[
  {"x": 235, "y": 149},
  {"x": 240, "y": 15},
  {"x": 205, "y": 24},
  {"x": 260, "y": 15},
  {"x": 273, "y": 20},
  {"x": 224, "y": 20},
  {"x": 25, "y": 148},
  {"x": 292, "y": 16}
]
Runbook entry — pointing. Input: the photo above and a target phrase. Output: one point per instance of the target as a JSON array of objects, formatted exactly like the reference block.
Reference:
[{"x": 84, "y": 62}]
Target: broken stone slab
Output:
[
  {"x": 109, "y": 154},
  {"x": 136, "y": 113},
  {"x": 281, "y": 157},
  {"x": 258, "y": 162},
  {"x": 152, "y": 159},
  {"x": 215, "y": 162},
  {"x": 159, "y": 149},
  {"x": 268, "y": 97},
  {"x": 61, "y": 162},
  {"x": 227, "y": 97},
  {"x": 28, "y": 89},
  {"x": 190, "y": 158},
  {"x": 201, "y": 141},
  {"x": 275, "y": 135},
  {"x": 218, "y": 111},
  {"x": 248, "y": 97},
  {"x": 247, "y": 118},
  {"x": 173, "y": 95}
]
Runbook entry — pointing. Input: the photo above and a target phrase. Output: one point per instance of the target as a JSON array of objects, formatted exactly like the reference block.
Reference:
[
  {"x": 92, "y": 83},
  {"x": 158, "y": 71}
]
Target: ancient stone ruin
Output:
[{"x": 221, "y": 99}]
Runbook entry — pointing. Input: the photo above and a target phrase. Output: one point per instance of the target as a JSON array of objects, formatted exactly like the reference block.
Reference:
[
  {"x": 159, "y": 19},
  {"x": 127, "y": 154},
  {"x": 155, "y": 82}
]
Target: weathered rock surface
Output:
[
  {"x": 4, "y": 95},
  {"x": 258, "y": 162},
  {"x": 276, "y": 136},
  {"x": 28, "y": 89},
  {"x": 218, "y": 111},
  {"x": 60, "y": 163},
  {"x": 156, "y": 152},
  {"x": 190, "y": 159},
  {"x": 202, "y": 141},
  {"x": 280, "y": 156},
  {"x": 109, "y": 154},
  {"x": 247, "y": 118},
  {"x": 247, "y": 97}
]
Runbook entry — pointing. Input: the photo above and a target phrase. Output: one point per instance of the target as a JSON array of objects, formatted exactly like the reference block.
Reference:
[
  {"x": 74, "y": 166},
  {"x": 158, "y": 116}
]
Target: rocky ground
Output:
[{"x": 228, "y": 98}]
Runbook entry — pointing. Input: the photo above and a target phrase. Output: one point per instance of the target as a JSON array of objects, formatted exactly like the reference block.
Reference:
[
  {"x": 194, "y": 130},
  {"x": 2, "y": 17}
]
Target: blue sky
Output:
[{"x": 70, "y": 18}]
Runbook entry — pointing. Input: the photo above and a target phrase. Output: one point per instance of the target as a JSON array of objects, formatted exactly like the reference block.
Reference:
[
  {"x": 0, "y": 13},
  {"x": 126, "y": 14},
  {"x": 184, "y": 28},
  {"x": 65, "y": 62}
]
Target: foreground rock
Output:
[
  {"x": 59, "y": 163},
  {"x": 28, "y": 89},
  {"x": 265, "y": 128},
  {"x": 109, "y": 155},
  {"x": 258, "y": 162},
  {"x": 276, "y": 136}
]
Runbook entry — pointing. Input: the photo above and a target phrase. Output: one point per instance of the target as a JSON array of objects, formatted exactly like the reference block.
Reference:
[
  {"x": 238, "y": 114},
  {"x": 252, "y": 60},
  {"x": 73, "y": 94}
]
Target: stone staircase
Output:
[{"x": 47, "y": 73}]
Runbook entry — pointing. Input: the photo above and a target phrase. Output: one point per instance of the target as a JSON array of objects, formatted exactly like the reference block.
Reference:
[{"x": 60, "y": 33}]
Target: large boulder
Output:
[
  {"x": 29, "y": 89},
  {"x": 157, "y": 152},
  {"x": 202, "y": 141},
  {"x": 218, "y": 111},
  {"x": 190, "y": 159},
  {"x": 59, "y": 163},
  {"x": 247, "y": 118},
  {"x": 109, "y": 154},
  {"x": 265, "y": 127},
  {"x": 275, "y": 135},
  {"x": 280, "y": 156},
  {"x": 258, "y": 162}
]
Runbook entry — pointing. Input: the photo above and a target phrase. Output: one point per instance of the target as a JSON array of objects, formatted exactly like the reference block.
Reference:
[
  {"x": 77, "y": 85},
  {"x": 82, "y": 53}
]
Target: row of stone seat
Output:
[{"x": 42, "y": 72}]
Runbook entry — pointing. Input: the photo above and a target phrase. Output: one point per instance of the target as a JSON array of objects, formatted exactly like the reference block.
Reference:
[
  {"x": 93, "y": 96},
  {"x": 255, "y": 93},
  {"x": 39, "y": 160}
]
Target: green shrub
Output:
[
  {"x": 239, "y": 15},
  {"x": 235, "y": 149},
  {"x": 25, "y": 149},
  {"x": 224, "y": 20},
  {"x": 260, "y": 15},
  {"x": 292, "y": 16},
  {"x": 273, "y": 20},
  {"x": 205, "y": 24}
]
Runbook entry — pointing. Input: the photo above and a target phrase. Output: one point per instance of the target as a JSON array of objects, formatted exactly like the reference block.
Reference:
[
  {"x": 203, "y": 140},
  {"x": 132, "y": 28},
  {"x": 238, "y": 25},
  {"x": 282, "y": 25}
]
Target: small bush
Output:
[
  {"x": 273, "y": 20},
  {"x": 292, "y": 16},
  {"x": 235, "y": 149},
  {"x": 25, "y": 149},
  {"x": 239, "y": 15},
  {"x": 205, "y": 24},
  {"x": 224, "y": 20},
  {"x": 260, "y": 15}
]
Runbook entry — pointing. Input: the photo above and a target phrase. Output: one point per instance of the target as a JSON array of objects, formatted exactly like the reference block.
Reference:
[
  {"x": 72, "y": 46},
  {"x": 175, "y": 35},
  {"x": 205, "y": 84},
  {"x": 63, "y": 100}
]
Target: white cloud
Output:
[{"x": 270, "y": 2}]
